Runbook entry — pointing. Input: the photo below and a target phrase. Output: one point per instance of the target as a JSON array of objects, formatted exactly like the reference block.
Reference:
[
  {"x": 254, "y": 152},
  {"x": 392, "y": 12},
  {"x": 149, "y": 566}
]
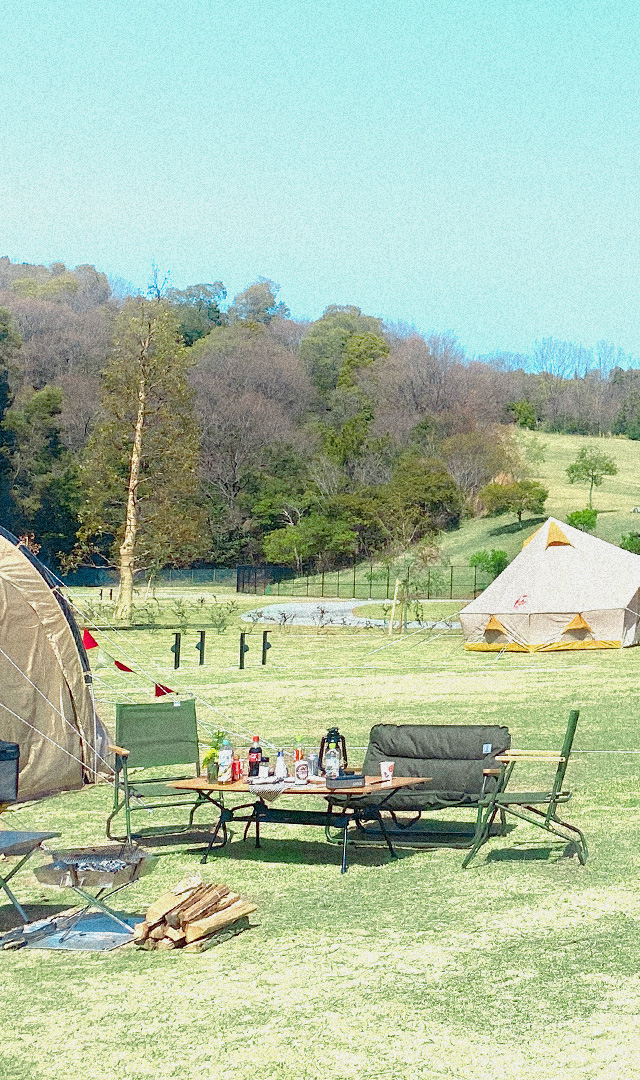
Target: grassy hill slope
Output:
[{"x": 613, "y": 500}]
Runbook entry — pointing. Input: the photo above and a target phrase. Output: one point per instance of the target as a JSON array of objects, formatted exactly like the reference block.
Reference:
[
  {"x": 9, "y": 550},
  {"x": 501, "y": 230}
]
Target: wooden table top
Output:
[{"x": 373, "y": 784}]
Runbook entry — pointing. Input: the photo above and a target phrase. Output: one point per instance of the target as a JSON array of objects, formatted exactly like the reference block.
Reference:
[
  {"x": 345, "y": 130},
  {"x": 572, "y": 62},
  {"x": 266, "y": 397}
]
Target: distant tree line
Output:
[{"x": 263, "y": 437}]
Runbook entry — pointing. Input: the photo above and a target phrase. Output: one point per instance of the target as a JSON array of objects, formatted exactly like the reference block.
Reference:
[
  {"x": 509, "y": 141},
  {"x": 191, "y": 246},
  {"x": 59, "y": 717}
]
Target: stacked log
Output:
[{"x": 193, "y": 916}]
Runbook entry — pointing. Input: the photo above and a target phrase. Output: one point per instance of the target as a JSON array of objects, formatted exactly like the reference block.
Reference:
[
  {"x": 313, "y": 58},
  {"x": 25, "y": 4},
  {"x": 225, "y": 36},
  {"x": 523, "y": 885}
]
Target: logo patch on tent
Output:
[
  {"x": 487, "y": 748},
  {"x": 521, "y": 601}
]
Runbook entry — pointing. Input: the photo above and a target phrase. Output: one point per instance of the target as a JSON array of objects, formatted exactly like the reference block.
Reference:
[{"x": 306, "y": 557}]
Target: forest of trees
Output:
[{"x": 261, "y": 437}]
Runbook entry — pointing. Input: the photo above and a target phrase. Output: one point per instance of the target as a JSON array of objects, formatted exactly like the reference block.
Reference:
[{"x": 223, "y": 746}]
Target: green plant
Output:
[
  {"x": 631, "y": 542},
  {"x": 583, "y": 519},
  {"x": 590, "y": 467},
  {"x": 492, "y": 562},
  {"x": 180, "y": 608},
  {"x": 215, "y": 742}
]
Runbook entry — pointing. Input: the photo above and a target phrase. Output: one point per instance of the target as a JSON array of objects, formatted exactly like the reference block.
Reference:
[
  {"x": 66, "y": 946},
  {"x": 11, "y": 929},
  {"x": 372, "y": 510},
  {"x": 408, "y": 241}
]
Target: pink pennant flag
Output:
[
  {"x": 162, "y": 690},
  {"x": 88, "y": 640}
]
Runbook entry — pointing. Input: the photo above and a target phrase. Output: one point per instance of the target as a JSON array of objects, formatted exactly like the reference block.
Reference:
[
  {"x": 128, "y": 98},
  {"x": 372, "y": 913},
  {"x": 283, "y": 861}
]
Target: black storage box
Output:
[{"x": 9, "y": 761}]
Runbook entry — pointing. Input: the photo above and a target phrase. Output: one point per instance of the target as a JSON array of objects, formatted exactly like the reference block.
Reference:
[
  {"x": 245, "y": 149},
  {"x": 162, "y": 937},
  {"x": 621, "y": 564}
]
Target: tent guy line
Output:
[{"x": 55, "y": 709}]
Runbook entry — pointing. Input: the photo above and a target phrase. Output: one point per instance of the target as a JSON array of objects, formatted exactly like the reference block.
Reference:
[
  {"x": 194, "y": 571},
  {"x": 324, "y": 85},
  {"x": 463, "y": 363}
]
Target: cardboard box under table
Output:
[{"x": 258, "y": 811}]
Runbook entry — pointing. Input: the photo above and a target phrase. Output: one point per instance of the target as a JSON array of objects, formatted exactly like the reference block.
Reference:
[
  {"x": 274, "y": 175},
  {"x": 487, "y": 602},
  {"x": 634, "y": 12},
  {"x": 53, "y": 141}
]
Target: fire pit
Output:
[
  {"x": 105, "y": 869},
  {"x": 99, "y": 867}
]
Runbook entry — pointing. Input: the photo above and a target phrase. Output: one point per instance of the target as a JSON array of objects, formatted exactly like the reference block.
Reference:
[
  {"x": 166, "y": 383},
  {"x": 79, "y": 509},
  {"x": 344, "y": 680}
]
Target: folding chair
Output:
[
  {"x": 535, "y": 807},
  {"x": 153, "y": 736}
]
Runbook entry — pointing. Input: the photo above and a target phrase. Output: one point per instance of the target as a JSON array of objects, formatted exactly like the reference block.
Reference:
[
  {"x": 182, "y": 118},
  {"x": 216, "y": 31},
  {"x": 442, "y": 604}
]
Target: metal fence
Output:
[
  {"x": 430, "y": 583},
  {"x": 100, "y": 577}
]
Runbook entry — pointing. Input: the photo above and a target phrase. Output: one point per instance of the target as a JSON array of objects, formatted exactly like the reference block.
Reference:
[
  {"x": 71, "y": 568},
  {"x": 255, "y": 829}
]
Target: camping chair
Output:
[
  {"x": 462, "y": 763},
  {"x": 535, "y": 807},
  {"x": 150, "y": 736}
]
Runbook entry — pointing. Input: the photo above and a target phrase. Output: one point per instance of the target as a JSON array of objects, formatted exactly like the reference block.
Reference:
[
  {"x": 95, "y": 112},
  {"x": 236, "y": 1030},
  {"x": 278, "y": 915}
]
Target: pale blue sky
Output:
[{"x": 468, "y": 165}]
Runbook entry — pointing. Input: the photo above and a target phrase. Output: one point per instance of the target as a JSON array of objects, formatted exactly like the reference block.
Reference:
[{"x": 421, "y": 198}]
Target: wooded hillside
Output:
[{"x": 312, "y": 443}]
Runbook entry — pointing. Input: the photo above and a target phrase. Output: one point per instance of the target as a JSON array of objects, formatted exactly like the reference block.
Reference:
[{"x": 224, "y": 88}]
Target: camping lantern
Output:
[
  {"x": 9, "y": 761},
  {"x": 333, "y": 736}
]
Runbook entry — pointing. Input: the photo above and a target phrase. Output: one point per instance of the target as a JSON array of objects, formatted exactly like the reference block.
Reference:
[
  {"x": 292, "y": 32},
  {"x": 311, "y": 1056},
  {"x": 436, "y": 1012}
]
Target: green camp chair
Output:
[
  {"x": 153, "y": 736},
  {"x": 535, "y": 807}
]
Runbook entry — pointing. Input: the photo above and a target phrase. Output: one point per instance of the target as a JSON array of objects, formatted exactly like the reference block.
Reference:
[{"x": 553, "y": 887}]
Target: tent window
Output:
[
  {"x": 578, "y": 623},
  {"x": 556, "y": 537}
]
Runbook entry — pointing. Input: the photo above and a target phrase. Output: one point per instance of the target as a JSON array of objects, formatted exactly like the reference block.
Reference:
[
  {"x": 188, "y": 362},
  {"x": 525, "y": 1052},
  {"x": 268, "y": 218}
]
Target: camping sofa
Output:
[
  {"x": 460, "y": 759},
  {"x": 469, "y": 766}
]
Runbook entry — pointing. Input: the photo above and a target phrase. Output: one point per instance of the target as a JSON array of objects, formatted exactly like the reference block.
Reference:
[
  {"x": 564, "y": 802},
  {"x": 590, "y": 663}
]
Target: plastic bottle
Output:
[
  {"x": 332, "y": 762},
  {"x": 281, "y": 766},
  {"x": 225, "y": 762},
  {"x": 255, "y": 756}
]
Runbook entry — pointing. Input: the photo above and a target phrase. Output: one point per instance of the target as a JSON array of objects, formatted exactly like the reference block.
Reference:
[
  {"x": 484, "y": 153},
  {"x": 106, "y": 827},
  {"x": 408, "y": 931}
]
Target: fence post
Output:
[
  {"x": 475, "y": 582},
  {"x": 322, "y": 587},
  {"x": 338, "y": 586},
  {"x": 388, "y": 580},
  {"x": 428, "y": 583},
  {"x": 451, "y": 586},
  {"x": 370, "y": 578},
  {"x": 354, "y": 577}
]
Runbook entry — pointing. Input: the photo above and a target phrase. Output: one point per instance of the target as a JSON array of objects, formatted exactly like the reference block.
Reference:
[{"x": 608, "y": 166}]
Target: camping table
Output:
[
  {"x": 13, "y": 843},
  {"x": 259, "y": 811}
]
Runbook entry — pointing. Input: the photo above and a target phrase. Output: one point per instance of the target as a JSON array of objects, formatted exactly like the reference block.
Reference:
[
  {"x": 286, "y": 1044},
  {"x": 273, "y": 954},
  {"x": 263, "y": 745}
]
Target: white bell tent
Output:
[{"x": 565, "y": 590}]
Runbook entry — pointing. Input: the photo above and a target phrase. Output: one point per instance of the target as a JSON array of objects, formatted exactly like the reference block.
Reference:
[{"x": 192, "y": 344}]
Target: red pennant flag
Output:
[
  {"x": 162, "y": 690},
  {"x": 123, "y": 667},
  {"x": 88, "y": 640}
]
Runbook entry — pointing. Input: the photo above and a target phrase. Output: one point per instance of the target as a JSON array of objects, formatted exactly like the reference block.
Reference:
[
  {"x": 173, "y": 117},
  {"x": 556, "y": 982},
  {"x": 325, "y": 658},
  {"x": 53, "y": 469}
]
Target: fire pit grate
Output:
[{"x": 98, "y": 867}]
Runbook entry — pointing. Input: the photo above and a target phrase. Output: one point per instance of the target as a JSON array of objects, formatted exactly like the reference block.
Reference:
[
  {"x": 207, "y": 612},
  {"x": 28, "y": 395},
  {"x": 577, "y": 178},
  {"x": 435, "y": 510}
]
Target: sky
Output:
[{"x": 469, "y": 166}]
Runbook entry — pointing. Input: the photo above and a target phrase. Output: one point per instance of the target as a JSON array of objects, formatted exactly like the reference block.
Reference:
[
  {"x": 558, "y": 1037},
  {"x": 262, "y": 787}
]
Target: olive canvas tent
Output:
[
  {"x": 565, "y": 590},
  {"x": 46, "y": 705}
]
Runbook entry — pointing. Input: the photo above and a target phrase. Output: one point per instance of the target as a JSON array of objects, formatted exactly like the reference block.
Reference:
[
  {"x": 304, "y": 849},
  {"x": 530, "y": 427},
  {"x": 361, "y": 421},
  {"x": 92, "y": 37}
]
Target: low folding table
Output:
[
  {"x": 341, "y": 811},
  {"x": 21, "y": 845}
]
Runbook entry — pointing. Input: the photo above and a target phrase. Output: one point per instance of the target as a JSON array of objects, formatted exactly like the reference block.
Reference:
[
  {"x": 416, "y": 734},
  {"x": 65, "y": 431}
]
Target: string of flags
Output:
[{"x": 101, "y": 658}]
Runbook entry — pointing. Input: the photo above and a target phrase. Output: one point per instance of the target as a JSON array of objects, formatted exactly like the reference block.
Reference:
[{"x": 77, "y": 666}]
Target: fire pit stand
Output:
[{"x": 106, "y": 869}]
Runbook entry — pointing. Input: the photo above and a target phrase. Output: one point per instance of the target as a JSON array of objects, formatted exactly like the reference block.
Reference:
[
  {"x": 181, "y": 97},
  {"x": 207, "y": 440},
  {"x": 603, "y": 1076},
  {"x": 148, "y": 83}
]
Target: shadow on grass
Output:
[
  {"x": 286, "y": 852},
  {"x": 9, "y": 918},
  {"x": 539, "y": 854},
  {"x": 514, "y": 527}
]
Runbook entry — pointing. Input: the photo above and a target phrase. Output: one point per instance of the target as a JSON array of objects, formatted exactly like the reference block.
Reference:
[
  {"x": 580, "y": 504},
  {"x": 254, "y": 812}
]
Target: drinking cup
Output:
[{"x": 386, "y": 771}]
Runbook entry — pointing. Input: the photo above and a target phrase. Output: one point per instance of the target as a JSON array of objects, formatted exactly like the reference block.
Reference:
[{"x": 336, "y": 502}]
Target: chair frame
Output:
[
  {"x": 527, "y": 805},
  {"x": 126, "y": 788}
]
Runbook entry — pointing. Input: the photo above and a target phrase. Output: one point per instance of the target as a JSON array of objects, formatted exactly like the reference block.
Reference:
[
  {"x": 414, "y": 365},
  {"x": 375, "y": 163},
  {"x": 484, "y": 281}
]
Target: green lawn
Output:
[
  {"x": 426, "y": 610},
  {"x": 524, "y": 967}
]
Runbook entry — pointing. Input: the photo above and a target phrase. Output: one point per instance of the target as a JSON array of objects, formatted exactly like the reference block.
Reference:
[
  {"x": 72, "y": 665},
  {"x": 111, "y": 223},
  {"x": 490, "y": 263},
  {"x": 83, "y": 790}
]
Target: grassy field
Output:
[
  {"x": 427, "y": 611},
  {"x": 524, "y": 967},
  {"x": 613, "y": 500}
]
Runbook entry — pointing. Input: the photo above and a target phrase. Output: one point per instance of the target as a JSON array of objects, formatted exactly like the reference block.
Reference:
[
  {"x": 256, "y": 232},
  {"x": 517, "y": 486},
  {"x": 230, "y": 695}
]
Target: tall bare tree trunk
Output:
[{"x": 124, "y": 607}]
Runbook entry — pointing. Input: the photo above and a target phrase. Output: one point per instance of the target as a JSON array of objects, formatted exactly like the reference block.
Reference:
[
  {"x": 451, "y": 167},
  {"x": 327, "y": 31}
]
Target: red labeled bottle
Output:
[{"x": 255, "y": 756}]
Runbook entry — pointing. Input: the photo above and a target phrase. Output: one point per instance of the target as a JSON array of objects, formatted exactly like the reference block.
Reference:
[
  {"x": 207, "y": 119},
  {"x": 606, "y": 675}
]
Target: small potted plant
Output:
[{"x": 210, "y": 759}]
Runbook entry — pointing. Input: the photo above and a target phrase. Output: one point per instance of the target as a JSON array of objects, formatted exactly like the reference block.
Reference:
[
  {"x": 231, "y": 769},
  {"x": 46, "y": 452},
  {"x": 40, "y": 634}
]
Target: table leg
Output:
[
  {"x": 3, "y": 885},
  {"x": 343, "y": 867}
]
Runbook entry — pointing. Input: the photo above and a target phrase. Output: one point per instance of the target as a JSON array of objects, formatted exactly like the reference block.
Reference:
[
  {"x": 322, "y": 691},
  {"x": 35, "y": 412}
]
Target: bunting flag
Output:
[
  {"x": 101, "y": 658},
  {"x": 88, "y": 640},
  {"x": 162, "y": 690},
  {"x": 105, "y": 659}
]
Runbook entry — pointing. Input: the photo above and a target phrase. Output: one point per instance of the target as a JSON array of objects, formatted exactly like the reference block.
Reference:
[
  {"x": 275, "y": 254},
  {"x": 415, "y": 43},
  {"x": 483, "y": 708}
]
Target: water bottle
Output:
[
  {"x": 332, "y": 762},
  {"x": 281, "y": 766},
  {"x": 225, "y": 762}
]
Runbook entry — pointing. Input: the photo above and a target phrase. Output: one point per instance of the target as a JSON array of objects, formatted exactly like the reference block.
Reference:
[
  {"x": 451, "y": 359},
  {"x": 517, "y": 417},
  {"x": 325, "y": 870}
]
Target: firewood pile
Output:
[{"x": 193, "y": 916}]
